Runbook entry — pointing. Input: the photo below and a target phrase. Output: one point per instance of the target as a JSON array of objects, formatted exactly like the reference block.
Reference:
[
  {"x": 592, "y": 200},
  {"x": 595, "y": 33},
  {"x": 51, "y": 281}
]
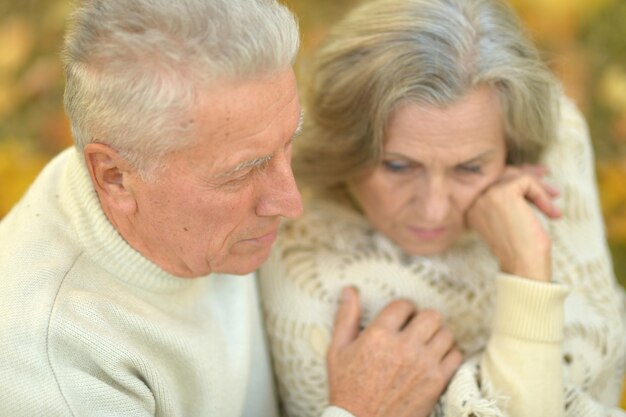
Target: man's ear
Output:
[{"x": 111, "y": 177}]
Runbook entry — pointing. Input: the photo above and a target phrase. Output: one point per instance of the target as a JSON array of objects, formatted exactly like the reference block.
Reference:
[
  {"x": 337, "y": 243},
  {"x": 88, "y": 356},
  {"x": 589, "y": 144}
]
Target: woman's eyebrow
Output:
[{"x": 478, "y": 157}]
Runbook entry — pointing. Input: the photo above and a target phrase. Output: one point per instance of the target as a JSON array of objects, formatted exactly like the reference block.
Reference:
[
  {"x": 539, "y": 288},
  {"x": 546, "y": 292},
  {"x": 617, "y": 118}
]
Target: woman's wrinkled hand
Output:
[{"x": 504, "y": 217}]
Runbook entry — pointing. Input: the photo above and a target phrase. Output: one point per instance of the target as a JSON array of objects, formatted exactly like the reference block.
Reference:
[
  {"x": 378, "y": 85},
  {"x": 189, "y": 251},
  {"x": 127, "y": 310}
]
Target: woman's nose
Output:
[{"x": 436, "y": 201}]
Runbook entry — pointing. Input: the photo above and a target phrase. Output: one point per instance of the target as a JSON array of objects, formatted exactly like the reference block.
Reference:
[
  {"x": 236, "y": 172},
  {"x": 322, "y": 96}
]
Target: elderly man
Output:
[{"x": 126, "y": 285}]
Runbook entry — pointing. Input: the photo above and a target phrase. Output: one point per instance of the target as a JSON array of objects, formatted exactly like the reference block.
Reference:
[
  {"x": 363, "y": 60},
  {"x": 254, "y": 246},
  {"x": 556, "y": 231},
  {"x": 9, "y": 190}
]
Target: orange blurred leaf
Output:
[
  {"x": 16, "y": 43},
  {"x": 19, "y": 166},
  {"x": 612, "y": 182},
  {"x": 613, "y": 88}
]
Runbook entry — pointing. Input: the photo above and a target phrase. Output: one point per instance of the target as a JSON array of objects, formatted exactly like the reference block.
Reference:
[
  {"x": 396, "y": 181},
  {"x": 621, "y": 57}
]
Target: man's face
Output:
[{"x": 217, "y": 204}]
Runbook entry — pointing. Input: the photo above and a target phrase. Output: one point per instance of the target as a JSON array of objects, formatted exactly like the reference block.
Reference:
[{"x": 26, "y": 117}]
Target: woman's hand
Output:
[{"x": 504, "y": 217}]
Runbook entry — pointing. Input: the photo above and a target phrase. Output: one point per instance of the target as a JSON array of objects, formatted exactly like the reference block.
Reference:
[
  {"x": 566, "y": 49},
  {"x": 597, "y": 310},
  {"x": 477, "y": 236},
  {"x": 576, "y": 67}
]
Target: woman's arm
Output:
[
  {"x": 576, "y": 256},
  {"x": 523, "y": 357},
  {"x": 300, "y": 287}
]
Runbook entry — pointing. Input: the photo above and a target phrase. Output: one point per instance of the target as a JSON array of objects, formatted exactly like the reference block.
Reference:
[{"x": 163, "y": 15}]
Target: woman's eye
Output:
[
  {"x": 396, "y": 166},
  {"x": 470, "y": 169}
]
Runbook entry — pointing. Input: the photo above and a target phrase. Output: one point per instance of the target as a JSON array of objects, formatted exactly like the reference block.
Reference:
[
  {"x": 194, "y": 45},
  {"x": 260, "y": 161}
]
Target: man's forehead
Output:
[
  {"x": 249, "y": 158},
  {"x": 238, "y": 123}
]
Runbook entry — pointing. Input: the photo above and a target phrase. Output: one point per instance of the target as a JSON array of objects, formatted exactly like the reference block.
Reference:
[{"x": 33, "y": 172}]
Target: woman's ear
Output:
[{"x": 111, "y": 176}]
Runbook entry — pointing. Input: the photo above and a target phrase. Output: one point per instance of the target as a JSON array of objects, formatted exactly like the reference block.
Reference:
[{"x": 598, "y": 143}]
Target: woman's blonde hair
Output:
[{"x": 430, "y": 52}]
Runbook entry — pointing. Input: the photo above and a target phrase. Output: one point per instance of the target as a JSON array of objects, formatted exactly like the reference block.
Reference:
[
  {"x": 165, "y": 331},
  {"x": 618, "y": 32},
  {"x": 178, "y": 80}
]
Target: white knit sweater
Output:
[
  {"x": 509, "y": 328},
  {"x": 89, "y": 327}
]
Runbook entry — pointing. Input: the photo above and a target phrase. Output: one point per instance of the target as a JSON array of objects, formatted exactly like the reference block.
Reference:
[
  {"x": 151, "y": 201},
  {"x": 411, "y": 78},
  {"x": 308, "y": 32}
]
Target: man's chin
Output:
[{"x": 243, "y": 265}]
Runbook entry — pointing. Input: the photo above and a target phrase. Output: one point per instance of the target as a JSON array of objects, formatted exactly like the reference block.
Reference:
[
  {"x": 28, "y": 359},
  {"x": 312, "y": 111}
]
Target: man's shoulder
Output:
[
  {"x": 32, "y": 271},
  {"x": 37, "y": 243}
]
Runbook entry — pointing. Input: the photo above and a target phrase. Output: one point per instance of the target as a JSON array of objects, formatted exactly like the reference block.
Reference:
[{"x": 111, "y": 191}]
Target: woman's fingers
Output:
[
  {"x": 529, "y": 182},
  {"x": 541, "y": 195},
  {"x": 537, "y": 170},
  {"x": 504, "y": 218}
]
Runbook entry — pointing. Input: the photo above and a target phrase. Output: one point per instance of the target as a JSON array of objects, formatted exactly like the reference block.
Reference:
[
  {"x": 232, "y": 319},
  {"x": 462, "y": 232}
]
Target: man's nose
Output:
[{"x": 281, "y": 196}]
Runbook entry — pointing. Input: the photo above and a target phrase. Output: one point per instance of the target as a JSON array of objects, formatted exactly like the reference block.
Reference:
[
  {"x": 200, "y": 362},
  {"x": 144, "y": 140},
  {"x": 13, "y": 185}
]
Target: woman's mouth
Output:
[{"x": 428, "y": 233}]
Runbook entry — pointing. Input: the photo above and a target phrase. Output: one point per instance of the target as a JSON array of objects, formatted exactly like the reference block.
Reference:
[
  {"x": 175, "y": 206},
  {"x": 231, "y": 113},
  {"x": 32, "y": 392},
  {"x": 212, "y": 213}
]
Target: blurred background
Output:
[{"x": 584, "y": 41}]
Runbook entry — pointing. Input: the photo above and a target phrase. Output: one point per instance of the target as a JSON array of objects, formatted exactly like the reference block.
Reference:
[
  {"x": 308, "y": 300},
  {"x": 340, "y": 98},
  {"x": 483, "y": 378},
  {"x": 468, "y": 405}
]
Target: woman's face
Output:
[{"x": 436, "y": 161}]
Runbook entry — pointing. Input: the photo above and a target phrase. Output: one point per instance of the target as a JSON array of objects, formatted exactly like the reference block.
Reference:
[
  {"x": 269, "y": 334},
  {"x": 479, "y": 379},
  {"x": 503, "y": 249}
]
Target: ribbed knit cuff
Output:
[
  {"x": 529, "y": 309},
  {"x": 333, "y": 411}
]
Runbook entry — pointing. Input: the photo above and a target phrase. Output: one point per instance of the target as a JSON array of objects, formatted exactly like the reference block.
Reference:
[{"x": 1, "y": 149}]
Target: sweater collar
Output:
[{"x": 102, "y": 241}]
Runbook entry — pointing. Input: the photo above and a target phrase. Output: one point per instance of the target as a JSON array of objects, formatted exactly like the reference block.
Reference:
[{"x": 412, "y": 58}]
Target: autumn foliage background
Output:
[{"x": 584, "y": 41}]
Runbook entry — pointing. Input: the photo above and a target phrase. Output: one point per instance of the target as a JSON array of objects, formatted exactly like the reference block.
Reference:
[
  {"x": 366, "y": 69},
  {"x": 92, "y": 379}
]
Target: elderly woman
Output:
[{"x": 432, "y": 125}]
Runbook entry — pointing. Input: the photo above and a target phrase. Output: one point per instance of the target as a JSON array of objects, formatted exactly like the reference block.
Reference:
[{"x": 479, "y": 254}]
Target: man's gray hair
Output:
[
  {"x": 429, "y": 52},
  {"x": 133, "y": 68}
]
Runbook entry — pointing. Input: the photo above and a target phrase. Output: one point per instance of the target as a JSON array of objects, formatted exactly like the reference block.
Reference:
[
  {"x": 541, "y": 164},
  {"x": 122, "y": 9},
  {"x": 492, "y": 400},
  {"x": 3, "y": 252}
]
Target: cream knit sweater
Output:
[
  {"x": 89, "y": 327},
  {"x": 523, "y": 357}
]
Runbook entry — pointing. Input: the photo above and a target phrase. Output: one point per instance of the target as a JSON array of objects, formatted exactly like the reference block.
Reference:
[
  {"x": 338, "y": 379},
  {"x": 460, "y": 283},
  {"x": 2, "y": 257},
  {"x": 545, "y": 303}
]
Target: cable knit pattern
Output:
[{"x": 332, "y": 246}]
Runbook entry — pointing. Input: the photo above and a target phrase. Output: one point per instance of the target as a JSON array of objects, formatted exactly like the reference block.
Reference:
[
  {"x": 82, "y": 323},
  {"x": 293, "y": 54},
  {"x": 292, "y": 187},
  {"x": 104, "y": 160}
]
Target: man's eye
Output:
[
  {"x": 237, "y": 180},
  {"x": 396, "y": 166},
  {"x": 470, "y": 169}
]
